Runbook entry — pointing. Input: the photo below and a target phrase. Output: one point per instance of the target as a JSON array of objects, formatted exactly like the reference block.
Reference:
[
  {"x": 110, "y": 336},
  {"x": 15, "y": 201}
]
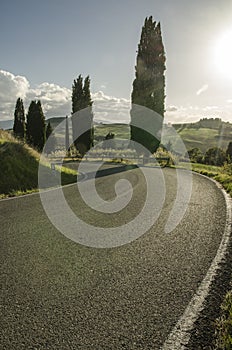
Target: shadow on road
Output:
[{"x": 108, "y": 171}]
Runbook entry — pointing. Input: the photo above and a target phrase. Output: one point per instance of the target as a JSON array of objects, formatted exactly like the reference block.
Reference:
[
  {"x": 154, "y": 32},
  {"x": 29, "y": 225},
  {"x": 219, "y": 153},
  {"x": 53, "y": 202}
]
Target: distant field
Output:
[
  {"x": 202, "y": 138},
  {"x": 121, "y": 131},
  {"x": 193, "y": 135},
  {"x": 205, "y": 138}
]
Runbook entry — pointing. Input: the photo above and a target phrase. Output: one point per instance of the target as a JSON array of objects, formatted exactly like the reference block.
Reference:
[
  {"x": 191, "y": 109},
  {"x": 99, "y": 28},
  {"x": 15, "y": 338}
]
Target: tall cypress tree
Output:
[
  {"x": 149, "y": 85},
  {"x": 82, "y": 123},
  {"x": 36, "y": 126},
  {"x": 19, "y": 127},
  {"x": 77, "y": 94}
]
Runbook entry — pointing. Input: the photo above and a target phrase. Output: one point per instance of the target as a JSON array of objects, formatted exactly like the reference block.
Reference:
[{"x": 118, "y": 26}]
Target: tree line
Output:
[
  {"x": 213, "y": 156},
  {"x": 32, "y": 128}
]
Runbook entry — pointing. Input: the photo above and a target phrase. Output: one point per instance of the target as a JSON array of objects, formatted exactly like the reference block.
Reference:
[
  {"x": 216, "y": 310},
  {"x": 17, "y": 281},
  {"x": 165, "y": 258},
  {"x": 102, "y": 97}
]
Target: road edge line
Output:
[{"x": 179, "y": 337}]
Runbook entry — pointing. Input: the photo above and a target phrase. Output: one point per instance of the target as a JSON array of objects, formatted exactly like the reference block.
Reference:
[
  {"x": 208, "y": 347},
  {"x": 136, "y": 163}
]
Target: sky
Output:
[{"x": 46, "y": 44}]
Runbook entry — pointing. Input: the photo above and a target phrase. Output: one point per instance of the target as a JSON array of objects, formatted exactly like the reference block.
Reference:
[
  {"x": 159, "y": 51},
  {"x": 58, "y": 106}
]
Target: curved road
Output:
[{"x": 57, "y": 294}]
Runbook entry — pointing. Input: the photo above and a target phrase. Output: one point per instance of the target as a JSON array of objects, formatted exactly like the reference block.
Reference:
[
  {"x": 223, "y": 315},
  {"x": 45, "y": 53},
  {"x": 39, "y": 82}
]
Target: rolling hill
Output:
[{"x": 204, "y": 134}]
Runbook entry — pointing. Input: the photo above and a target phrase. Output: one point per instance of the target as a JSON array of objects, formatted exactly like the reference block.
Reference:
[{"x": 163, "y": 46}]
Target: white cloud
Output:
[
  {"x": 192, "y": 114},
  {"x": 11, "y": 87},
  {"x": 56, "y": 100},
  {"x": 202, "y": 89},
  {"x": 103, "y": 86},
  {"x": 110, "y": 109},
  {"x": 171, "y": 108},
  {"x": 211, "y": 108}
]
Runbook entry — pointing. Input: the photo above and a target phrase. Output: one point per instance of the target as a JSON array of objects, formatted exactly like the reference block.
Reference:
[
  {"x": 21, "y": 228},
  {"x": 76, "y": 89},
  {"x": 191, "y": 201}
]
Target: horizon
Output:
[{"x": 104, "y": 122}]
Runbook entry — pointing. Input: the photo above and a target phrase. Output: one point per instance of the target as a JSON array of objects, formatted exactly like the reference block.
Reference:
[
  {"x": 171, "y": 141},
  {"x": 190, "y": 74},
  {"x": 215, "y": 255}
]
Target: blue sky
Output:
[{"x": 46, "y": 44}]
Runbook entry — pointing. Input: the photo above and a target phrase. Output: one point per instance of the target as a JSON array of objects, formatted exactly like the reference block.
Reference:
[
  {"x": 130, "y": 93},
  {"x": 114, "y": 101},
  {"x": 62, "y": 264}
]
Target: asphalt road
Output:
[{"x": 58, "y": 294}]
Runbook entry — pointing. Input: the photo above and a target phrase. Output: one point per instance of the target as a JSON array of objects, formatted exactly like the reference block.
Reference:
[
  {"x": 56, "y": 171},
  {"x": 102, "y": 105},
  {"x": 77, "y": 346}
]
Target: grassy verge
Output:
[
  {"x": 19, "y": 168},
  {"x": 221, "y": 174},
  {"x": 224, "y": 325}
]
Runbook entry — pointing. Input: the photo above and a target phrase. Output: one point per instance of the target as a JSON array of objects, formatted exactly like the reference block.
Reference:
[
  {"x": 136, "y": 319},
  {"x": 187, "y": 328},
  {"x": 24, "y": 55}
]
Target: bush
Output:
[{"x": 215, "y": 156}]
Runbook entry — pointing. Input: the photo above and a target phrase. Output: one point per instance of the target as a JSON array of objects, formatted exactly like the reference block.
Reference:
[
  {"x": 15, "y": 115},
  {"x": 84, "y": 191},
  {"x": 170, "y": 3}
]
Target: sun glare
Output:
[{"x": 223, "y": 54}]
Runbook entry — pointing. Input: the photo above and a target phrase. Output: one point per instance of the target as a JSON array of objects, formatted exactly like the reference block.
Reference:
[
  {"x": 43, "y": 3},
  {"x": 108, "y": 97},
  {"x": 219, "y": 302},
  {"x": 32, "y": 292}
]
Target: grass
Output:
[
  {"x": 224, "y": 325},
  {"x": 19, "y": 168},
  {"x": 221, "y": 174},
  {"x": 121, "y": 131},
  {"x": 205, "y": 138},
  {"x": 202, "y": 138},
  {"x": 208, "y": 170}
]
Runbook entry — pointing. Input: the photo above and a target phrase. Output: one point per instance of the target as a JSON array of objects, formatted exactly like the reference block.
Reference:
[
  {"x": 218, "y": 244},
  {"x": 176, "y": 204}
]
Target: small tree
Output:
[
  {"x": 48, "y": 130},
  {"x": 36, "y": 126},
  {"x": 215, "y": 156},
  {"x": 19, "y": 127},
  {"x": 195, "y": 155},
  {"x": 110, "y": 137},
  {"x": 229, "y": 152}
]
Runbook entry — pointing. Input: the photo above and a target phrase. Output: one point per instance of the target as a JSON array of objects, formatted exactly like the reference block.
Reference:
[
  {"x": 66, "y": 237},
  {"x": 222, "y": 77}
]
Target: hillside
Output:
[
  {"x": 204, "y": 134},
  {"x": 193, "y": 135},
  {"x": 19, "y": 167}
]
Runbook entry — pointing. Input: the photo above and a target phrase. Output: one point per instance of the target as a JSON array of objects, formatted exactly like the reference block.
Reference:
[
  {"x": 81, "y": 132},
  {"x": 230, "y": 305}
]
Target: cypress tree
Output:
[
  {"x": 36, "y": 126},
  {"x": 149, "y": 84},
  {"x": 77, "y": 94},
  {"x": 19, "y": 127},
  {"x": 67, "y": 147},
  {"x": 229, "y": 152},
  {"x": 82, "y": 123},
  {"x": 50, "y": 140},
  {"x": 48, "y": 130}
]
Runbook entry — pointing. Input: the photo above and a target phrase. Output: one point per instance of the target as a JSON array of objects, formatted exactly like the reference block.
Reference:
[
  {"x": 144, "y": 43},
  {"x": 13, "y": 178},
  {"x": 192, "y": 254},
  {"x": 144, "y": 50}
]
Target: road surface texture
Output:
[{"x": 58, "y": 294}]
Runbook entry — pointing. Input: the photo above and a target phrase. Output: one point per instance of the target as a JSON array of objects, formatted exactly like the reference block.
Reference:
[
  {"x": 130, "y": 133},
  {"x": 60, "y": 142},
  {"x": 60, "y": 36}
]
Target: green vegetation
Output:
[
  {"x": 204, "y": 134},
  {"x": 194, "y": 135},
  {"x": 83, "y": 122},
  {"x": 202, "y": 138},
  {"x": 148, "y": 87},
  {"x": 36, "y": 126},
  {"x": 224, "y": 325},
  {"x": 19, "y": 127},
  {"x": 222, "y": 174},
  {"x": 19, "y": 167},
  {"x": 208, "y": 170},
  {"x": 121, "y": 131},
  {"x": 229, "y": 152}
]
